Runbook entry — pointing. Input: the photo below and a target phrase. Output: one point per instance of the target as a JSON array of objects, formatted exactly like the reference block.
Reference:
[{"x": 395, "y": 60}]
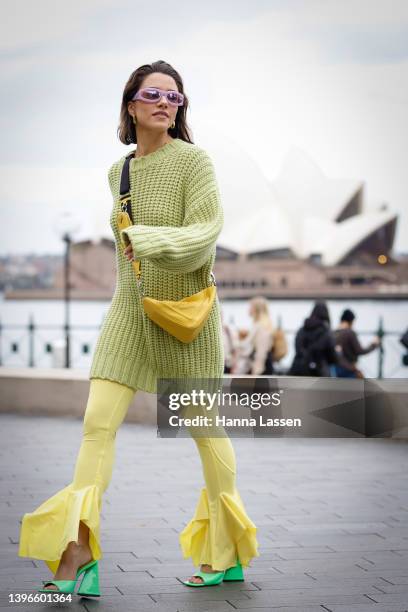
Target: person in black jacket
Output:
[
  {"x": 350, "y": 348},
  {"x": 314, "y": 345}
]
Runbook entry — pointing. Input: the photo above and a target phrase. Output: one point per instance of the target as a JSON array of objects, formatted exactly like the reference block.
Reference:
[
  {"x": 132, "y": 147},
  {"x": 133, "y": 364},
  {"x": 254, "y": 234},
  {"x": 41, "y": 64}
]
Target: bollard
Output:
[
  {"x": 31, "y": 332},
  {"x": 380, "y": 334}
]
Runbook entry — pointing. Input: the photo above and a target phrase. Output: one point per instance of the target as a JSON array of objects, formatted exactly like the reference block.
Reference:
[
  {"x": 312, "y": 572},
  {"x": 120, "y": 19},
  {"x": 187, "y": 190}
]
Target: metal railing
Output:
[
  {"x": 38, "y": 345},
  {"x": 41, "y": 345}
]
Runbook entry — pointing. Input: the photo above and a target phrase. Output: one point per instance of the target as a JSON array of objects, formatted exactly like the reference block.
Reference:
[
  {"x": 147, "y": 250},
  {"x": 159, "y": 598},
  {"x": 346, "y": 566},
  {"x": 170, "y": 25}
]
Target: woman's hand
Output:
[{"x": 128, "y": 252}]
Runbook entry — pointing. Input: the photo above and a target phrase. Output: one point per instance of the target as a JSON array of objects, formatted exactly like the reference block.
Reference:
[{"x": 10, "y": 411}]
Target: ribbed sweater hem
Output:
[
  {"x": 141, "y": 377},
  {"x": 137, "y": 376}
]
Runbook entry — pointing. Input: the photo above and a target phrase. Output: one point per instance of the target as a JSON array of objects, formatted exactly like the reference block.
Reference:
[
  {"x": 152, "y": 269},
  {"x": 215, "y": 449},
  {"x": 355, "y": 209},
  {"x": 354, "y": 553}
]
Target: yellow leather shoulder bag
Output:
[{"x": 183, "y": 319}]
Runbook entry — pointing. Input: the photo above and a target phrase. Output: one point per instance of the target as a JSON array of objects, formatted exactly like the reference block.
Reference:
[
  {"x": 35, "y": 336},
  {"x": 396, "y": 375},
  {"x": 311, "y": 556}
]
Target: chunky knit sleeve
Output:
[{"x": 188, "y": 247}]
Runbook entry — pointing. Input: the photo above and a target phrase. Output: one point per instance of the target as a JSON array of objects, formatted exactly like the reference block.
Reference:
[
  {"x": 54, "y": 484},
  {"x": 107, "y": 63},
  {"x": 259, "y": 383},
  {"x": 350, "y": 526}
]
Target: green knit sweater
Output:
[{"x": 178, "y": 216}]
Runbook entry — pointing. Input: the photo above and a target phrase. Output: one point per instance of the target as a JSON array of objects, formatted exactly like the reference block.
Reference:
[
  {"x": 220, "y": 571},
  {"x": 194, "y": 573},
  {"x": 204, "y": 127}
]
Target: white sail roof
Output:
[
  {"x": 338, "y": 239},
  {"x": 304, "y": 190}
]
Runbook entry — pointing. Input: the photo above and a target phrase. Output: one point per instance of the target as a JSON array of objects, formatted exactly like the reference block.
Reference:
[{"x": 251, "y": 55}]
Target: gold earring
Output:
[
  {"x": 134, "y": 119},
  {"x": 173, "y": 125}
]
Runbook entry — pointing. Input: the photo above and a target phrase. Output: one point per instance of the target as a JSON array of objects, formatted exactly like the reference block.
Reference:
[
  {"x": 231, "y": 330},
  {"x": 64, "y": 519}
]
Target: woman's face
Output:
[{"x": 144, "y": 111}]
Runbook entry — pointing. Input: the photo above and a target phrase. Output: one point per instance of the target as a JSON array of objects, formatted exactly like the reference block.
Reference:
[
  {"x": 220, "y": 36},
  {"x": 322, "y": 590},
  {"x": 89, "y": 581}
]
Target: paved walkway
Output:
[{"x": 332, "y": 518}]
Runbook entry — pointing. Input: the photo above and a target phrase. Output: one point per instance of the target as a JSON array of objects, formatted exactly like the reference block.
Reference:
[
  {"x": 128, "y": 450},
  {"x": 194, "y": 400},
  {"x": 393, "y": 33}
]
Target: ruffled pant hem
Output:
[
  {"x": 220, "y": 536},
  {"x": 46, "y": 532}
]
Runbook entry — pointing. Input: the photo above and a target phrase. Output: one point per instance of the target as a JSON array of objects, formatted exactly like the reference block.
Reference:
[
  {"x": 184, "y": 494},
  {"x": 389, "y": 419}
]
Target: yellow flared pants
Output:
[{"x": 219, "y": 532}]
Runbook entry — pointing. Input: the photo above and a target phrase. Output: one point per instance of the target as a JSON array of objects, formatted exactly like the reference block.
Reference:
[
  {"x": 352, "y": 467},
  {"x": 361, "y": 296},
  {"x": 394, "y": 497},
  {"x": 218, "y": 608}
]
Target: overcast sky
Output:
[{"x": 329, "y": 77}]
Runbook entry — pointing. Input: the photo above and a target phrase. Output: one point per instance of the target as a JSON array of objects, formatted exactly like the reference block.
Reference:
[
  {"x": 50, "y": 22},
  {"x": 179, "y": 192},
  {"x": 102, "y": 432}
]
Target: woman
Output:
[
  {"x": 228, "y": 344},
  {"x": 177, "y": 214},
  {"x": 314, "y": 345},
  {"x": 255, "y": 351}
]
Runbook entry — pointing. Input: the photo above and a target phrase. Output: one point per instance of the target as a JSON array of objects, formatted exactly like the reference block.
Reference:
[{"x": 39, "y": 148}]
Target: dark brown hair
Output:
[{"x": 126, "y": 128}]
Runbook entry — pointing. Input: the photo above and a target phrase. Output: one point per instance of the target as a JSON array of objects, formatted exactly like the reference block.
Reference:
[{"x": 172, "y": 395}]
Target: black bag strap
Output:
[
  {"x": 125, "y": 196},
  {"x": 125, "y": 200}
]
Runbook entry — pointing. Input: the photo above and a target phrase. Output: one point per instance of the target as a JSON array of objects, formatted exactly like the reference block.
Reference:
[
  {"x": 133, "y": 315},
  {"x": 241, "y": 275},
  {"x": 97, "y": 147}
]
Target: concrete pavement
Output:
[{"x": 332, "y": 518}]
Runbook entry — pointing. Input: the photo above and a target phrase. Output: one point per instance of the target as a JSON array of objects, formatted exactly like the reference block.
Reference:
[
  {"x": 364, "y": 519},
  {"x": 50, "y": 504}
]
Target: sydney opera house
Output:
[
  {"x": 302, "y": 214},
  {"x": 302, "y": 233}
]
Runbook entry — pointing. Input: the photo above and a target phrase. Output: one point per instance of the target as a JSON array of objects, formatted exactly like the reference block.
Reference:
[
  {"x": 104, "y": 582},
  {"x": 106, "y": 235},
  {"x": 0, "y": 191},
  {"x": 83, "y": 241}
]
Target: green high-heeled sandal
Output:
[
  {"x": 89, "y": 585},
  {"x": 232, "y": 574}
]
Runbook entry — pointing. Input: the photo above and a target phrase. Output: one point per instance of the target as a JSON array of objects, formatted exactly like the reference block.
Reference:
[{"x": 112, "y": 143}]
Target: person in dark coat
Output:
[
  {"x": 314, "y": 345},
  {"x": 350, "y": 348}
]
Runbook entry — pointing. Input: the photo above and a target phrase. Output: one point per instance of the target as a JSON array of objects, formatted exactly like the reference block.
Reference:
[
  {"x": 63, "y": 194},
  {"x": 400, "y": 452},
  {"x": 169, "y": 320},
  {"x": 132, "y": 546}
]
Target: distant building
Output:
[
  {"x": 92, "y": 267},
  {"x": 293, "y": 278}
]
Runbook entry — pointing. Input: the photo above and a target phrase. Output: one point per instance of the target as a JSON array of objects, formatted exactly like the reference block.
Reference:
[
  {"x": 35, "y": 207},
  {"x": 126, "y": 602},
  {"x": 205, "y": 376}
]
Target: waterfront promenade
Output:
[{"x": 332, "y": 518}]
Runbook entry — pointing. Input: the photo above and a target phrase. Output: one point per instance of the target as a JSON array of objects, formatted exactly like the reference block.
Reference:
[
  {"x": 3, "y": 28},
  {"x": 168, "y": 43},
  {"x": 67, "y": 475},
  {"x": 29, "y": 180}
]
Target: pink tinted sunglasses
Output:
[{"x": 153, "y": 94}]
